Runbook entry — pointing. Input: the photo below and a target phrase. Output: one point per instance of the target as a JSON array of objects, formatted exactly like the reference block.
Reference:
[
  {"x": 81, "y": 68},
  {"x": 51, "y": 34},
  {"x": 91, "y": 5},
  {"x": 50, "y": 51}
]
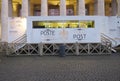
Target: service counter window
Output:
[
  {"x": 48, "y": 24},
  {"x": 54, "y": 24},
  {"x": 72, "y": 24},
  {"x": 38, "y": 24},
  {"x": 86, "y": 24},
  {"x": 63, "y": 24}
]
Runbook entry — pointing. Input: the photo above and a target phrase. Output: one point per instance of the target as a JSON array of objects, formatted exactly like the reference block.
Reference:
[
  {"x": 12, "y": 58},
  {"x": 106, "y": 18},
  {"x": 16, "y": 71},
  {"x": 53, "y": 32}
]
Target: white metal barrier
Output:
[{"x": 53, "y": 49}]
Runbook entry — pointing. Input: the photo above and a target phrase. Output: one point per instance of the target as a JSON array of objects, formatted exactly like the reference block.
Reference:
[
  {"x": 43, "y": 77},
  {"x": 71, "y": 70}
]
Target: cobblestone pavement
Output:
[{"x": 54, "y": 68}]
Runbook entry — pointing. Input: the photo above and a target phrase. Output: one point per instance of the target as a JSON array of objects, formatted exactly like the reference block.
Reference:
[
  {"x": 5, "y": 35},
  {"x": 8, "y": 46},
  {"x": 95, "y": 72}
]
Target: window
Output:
[
  {"x": 63, "y": 24},
  {"x": 86, "y": 24}
]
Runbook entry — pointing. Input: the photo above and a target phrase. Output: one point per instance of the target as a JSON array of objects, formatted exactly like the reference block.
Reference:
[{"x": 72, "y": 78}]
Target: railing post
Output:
[
  {"x": 77, "y": 48},
  {"x": 88, "y": 48},
  {"x": 100, "y": 52},
  {"x": 7, "y": 49},
  {"x": 40, "y": 46}
]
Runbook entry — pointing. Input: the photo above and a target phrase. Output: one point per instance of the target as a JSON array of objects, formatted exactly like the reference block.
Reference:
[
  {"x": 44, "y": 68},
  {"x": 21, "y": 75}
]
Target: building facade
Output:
[
  {"x": 27, "y": 8},
  {"x": 60, "y": 7}
]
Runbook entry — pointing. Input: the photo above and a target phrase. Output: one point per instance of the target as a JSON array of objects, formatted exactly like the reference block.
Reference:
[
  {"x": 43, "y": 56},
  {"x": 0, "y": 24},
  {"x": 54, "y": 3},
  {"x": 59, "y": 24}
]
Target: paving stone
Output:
[{"x": 55, "y": 68}]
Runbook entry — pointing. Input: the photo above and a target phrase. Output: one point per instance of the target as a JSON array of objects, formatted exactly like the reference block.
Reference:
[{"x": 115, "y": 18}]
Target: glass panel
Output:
[
  {"x": 72, "y": 24},
  {"x": 37, "y": 10},
  {"x": 71, "y": 7},
  {"x": 63, "y": 24},
  {"x": 48, "y": 24},
  {"x": 54, "y": 24},
  {"x": 53, "y": 7},
  {"x": 86, "y": 24}
]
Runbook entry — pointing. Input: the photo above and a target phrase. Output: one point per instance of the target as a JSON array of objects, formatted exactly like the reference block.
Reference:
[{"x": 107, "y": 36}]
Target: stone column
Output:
[
  {"x": 118, "y": 8},
  {"x": 4, "y": 20},
  {"x": 114, "y": 8},
  {"x": 29, "y": 8},
  {"x": 10, "y": 10},
  {"x": 25, "y": 8},
  {"x": 44, "y": 8},
  {"x": 62, "y": 7},
  {"x": 81, "y": 7},
  {"x": 100, "y": 7}
]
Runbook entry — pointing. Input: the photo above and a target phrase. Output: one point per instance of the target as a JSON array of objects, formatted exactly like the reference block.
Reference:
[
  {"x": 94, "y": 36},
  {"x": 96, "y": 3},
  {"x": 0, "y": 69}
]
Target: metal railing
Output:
[
  {"x": 109, "y": 42},
  {"x": 17, "y": 44},
  {"x": 21, "y": 39},
  {"x": 106, "y": 39},
  {"x": 20, "y": 47},
  {"x": 43, "y": 49}
]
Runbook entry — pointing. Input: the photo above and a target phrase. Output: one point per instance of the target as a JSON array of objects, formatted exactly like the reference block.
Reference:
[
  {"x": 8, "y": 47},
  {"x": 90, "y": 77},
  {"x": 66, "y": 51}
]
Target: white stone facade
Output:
[{"x": 6, "y": 11}]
